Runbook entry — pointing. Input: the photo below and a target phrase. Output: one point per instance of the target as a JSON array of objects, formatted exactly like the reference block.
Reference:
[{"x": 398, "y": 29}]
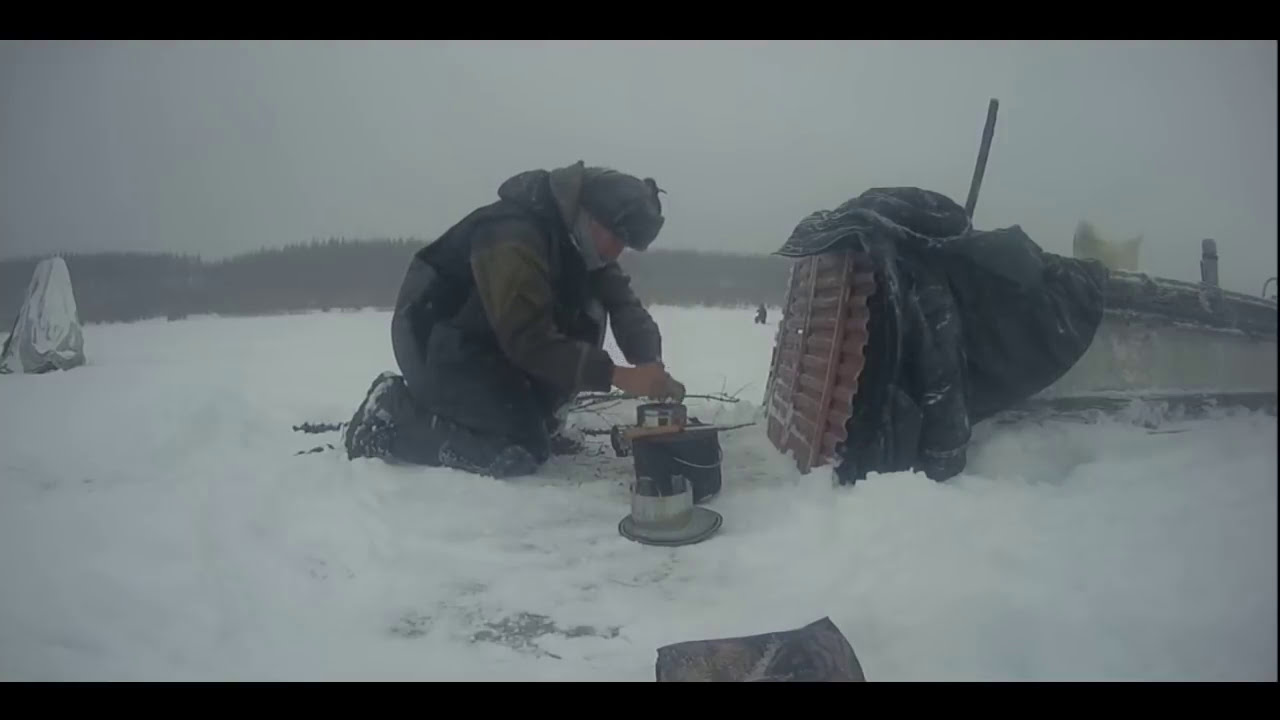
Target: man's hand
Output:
[{"x": 648, "y": 380}]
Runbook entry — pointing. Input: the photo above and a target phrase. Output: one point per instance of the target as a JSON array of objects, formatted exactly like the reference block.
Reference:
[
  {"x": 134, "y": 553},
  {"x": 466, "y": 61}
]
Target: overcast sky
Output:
[{"x": 220, "y": 148}]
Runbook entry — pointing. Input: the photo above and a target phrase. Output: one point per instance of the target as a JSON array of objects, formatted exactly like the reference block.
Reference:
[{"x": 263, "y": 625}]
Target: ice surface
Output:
[{"x": 164, "y": 530}]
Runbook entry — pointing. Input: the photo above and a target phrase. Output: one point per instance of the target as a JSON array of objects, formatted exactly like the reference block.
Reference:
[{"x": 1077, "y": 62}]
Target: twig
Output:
[
  {"x": 586, "y": 400},
  {"x": 600, "y": 415},
  {"x": 316, "y": 428},
  {"x": 738, "y": 392},
  {"x": 593, "y": 402},
  {"x": 726, "y": 428}
]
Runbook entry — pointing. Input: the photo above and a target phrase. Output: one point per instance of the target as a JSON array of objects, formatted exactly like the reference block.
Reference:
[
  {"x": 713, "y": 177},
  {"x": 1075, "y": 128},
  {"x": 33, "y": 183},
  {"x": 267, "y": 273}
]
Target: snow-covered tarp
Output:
[
  {"x": 964, "y": 324},
  {"x": 46, "y": 334}
]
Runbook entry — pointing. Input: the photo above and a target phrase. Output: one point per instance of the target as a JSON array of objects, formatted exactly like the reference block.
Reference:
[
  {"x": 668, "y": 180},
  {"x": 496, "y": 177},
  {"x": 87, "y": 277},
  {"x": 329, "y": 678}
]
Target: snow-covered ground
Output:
[{"x": 155, "y": 524}]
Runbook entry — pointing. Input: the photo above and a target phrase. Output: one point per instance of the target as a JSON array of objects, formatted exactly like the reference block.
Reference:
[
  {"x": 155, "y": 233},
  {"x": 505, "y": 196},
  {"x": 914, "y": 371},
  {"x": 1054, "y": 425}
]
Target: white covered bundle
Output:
[{"x": 46, "y": 335}]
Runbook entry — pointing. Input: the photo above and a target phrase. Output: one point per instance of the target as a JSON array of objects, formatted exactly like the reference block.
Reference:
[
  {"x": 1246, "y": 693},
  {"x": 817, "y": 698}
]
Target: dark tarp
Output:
[
  {"x": 817, "y": 652},
  {"x": 964, "y": 324}
]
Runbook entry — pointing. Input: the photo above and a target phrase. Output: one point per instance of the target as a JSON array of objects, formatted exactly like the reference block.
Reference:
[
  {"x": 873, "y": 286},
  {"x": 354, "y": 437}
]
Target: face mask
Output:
[{"x": 581, "y": 234}]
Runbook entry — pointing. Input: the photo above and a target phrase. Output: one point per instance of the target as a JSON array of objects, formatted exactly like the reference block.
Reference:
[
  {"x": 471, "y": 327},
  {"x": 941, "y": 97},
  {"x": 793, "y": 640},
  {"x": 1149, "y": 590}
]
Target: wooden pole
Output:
[{"x": 985, "y": 149}]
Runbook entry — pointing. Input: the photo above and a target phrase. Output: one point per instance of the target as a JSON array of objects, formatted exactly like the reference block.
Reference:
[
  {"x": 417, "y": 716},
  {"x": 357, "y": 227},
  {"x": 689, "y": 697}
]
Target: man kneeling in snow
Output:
[{"x": 500, "y": 323}]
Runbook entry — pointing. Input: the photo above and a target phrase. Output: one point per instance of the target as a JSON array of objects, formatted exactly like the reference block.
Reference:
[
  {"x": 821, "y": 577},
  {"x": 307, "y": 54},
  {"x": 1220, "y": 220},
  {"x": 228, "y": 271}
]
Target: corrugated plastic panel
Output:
[{"x": 818, "y": 355}]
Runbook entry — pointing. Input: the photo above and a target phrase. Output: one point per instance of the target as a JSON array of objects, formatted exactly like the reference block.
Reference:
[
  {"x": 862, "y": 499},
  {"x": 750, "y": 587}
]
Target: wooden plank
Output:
[
  {"x": 863, "y": 283},
  {"x": 830, "y": 292},
  {"x": 822, "y": 323},
  {"x": 850, "y": 363},
  {"x": 845, "y": 390},
  {"x": 801, "y": 450},
  {"x": 829, "y": 260},
  {"x": 818, "y": 355},
  {"x": 795, "y": 385},
  {"x": 824, "y": 308},
  {"x": 796, "y": 323},
  {"x": 829, "y": 377},
  {"x": 800, "y": 299},
  {"x": 776, "y": 433},
  {"x": 803, "y": 426},
  {"x": 813, "y": 383},
  {"x": 836, "y": 418},
  {"x": 823, "y": 280},
  {"x": 830, "y": 281},
  {"x": 813, "y": 419},
  {"x": 809, "y": 403},
  {"x": 830, "y": 440},
  {"x": 779, "y": 337},
  {"x": 854, "y": 343},
  {"x": 780, "y": 411},
  {"x": 786, "y": 376},
  {"x": 788, "y": 341},
  {"x": 829, "y": 304},
  {"x": 849, "y": 369},
  {"x": 777, "y": 409},
  {"x": 814, "y": 364},
  {"x": 822, "y": 342}
]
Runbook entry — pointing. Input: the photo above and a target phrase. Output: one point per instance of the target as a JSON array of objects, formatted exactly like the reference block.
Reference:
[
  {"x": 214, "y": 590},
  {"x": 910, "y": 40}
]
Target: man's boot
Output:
[
  {"x": 389, "y": 425},
  {"x": 567, "y": 442},
  {"x": 561, "y": 439}
]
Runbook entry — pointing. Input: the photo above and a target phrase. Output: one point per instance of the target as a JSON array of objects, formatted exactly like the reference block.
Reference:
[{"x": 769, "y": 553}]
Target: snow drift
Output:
[{"x": 46, "y": 334}]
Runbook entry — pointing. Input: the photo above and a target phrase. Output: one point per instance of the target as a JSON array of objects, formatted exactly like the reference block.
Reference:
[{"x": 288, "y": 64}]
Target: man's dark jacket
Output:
[{"x": 498, "y": 322}]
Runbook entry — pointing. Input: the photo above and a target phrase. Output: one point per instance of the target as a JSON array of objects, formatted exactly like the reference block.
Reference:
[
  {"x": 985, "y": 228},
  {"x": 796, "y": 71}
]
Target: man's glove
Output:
[
  {"x": 675, "y": 390},
  {"x": 648, "y": 380}
]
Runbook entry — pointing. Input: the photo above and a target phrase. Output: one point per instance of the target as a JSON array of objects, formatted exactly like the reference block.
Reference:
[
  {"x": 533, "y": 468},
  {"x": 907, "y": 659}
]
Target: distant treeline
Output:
[{"x": 341, "y": 273}]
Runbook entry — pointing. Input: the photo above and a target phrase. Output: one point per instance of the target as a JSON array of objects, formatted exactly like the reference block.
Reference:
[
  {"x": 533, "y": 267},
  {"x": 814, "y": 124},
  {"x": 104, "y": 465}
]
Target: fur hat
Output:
[{"x": 625, "y": 204}]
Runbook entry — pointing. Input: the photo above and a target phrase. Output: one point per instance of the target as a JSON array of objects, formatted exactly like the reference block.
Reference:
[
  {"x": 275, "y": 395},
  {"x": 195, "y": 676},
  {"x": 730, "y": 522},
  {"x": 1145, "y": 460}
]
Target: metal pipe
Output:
[{"x": 984, "y": 150}]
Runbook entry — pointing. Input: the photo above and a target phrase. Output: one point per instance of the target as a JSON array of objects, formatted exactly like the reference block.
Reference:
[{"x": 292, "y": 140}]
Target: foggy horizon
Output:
[{"x": 222, "y": 148}]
